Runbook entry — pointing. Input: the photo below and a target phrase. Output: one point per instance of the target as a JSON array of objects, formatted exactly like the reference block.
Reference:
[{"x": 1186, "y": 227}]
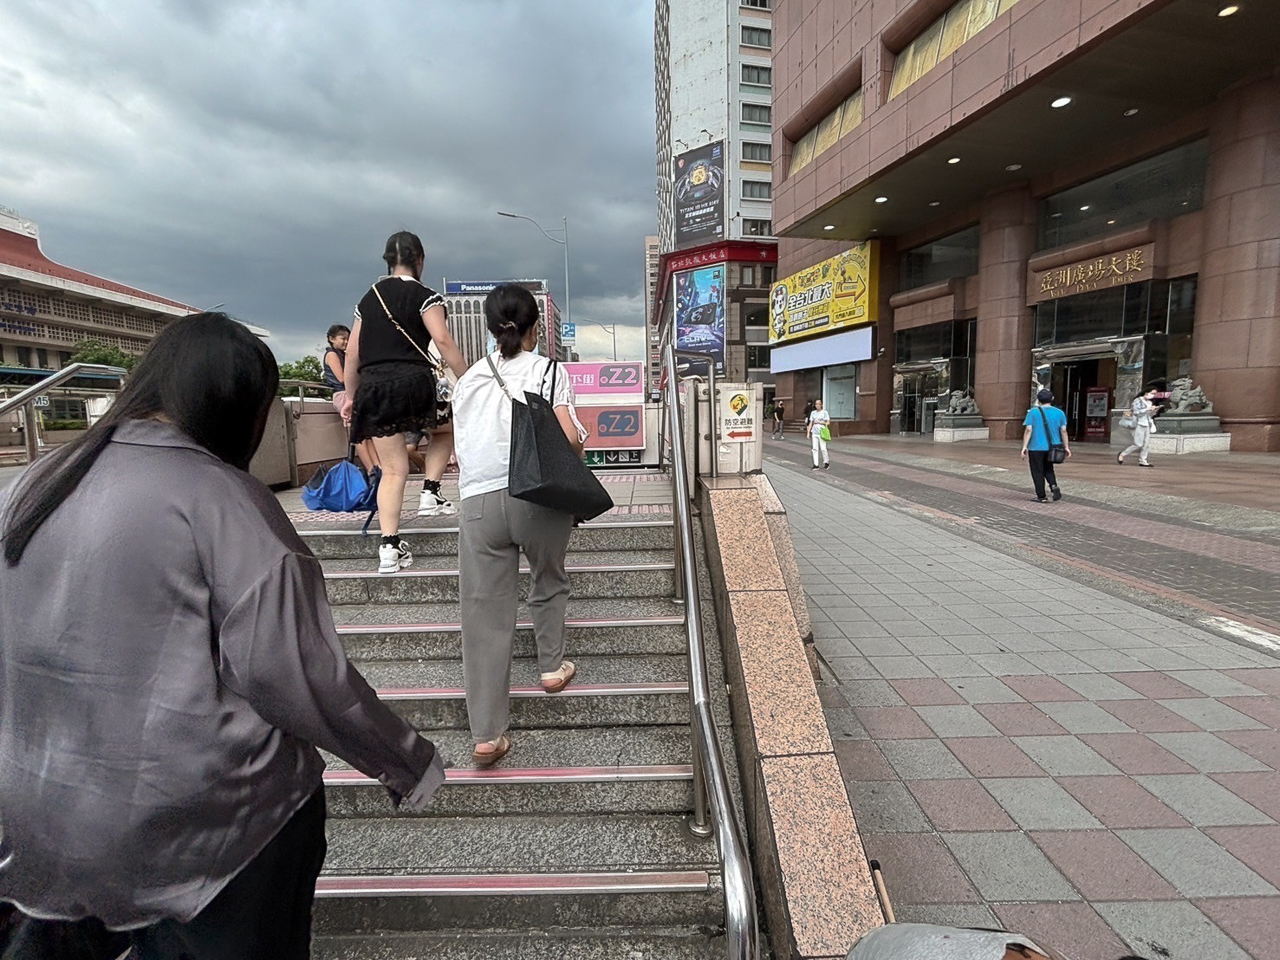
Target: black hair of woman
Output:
[
  {"x": 207, "y": 374},
  {"x": 404, "y": 249},
  {"x": 510, "y": 311},
  {"x": 336, "y": 329}
]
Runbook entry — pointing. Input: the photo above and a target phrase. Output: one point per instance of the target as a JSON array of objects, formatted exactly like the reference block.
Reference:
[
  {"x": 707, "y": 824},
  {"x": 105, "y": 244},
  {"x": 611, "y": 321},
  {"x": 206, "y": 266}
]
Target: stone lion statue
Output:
[
  {"x": 1183, "y": 396},
  {"x": 961, "y": 403}
]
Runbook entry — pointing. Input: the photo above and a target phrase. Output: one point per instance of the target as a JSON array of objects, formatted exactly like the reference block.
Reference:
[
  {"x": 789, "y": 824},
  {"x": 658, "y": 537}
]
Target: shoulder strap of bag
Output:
[
  {"x": 551, "y": 396},
  {"x": 1047, "y": 434},
  {"x": 396, "y": 324},
  {"x": 497, "y": 376}
]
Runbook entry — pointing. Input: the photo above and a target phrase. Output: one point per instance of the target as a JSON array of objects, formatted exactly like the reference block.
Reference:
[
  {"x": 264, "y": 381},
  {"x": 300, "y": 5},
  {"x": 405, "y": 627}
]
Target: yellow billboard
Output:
[{"x": 831, "y": 295}]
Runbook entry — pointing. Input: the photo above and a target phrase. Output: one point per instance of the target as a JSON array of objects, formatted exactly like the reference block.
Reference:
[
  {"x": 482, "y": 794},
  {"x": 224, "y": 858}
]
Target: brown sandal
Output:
[
  {"x": 557, "y": 680},
  {"x": 488, "y": 758}
]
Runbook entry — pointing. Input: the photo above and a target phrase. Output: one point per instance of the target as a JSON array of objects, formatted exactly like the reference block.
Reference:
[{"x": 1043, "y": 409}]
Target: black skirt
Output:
[{"x": 396, "y": 397}]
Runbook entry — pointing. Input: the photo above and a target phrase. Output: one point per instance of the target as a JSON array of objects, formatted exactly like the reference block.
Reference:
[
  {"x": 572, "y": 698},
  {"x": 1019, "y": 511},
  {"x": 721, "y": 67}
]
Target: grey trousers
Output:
[{"x": 493, "y": 529}]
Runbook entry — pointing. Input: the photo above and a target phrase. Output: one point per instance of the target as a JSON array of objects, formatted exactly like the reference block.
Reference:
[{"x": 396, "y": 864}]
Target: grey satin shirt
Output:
[{"x": 168, "y": 667}]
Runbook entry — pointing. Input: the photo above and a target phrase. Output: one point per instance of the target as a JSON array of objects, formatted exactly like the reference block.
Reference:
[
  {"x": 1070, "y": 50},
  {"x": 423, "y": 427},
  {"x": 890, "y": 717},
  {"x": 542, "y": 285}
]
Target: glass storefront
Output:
[
  {"x": 840, "y": 391},
  {"x": 929, "y": 363},
  {"x": 1112, "y": 343}
]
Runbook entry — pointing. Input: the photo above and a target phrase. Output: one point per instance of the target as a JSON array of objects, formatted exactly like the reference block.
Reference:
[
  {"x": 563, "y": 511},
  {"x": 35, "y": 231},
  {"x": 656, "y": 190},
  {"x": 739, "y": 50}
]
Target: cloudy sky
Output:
[{"x": 259, "y": 152}]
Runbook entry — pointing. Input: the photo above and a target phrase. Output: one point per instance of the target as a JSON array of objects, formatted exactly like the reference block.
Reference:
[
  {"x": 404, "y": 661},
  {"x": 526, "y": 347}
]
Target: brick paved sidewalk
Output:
[{"x": 1022, "y": 750}]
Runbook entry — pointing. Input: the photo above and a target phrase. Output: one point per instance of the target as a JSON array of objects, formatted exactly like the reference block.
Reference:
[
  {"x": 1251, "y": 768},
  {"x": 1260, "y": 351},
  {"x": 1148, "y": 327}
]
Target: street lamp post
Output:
[
  {"x": 613, "y": 330},
  {"x": 564, "y": 243}
]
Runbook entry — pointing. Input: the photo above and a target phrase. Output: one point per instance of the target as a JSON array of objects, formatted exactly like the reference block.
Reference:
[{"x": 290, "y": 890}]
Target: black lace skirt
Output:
[{"x": 396, "y": 398}]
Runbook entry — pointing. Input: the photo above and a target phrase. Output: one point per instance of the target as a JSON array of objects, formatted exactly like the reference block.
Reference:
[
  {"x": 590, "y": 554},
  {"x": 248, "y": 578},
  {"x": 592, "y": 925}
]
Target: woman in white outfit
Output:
[
  {"x": 1143, "y": 412},
  {"x": 817, "y": 420}
]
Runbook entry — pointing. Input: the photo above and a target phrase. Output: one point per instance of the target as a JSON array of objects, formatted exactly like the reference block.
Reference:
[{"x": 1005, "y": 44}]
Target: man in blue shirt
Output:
[{"x": 1045, "y": 427}]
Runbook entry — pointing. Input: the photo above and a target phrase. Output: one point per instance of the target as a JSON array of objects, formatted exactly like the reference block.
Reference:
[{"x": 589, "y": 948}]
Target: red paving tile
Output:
[
  {"x": 1250, "y": 921},
  {"x": 1073, "y": 929},
  {"x": 1257, "y": 847},
  {"x": 1263, "y": 709},
  {"x": 1260, "y": 789},
  {"x": 927, "y": 693},
  {"x": 918, "y": 868},
  {"x": 1157, "y": 686},
  {"x": 1146, "y": 716},
  {"x": 1020, "y": 719},
  {"x": 1266, "y": 679},
  {"x": 1102, "y": 867},
  {"x": 993, "y": 757},
  {"x": 862, "y": 760},
  {"x": 893, "y": 723},
  {"x": 1041, "y": 689},
  {"x": 959, "y": 805},
  {"x": 1136, "y": 754},
  {"x": 1263, "y": 745},
  {"x": 1120, "y": 802}
]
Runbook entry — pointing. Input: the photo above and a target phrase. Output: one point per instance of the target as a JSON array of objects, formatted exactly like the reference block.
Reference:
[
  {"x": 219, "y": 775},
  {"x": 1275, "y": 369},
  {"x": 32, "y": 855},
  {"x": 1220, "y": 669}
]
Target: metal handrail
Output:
[
  {"x": 25, "y": 399},
  {"x": 710, "y": 784},
  {"x": 54, "y": 380},
  {"x": 303, "y": 386}
]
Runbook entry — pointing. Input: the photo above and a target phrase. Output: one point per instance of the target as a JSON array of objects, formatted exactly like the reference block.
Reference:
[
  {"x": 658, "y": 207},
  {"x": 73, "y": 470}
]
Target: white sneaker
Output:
[
  {"x": 434, "y": 505},
  {"x": 392, "y": 558}
]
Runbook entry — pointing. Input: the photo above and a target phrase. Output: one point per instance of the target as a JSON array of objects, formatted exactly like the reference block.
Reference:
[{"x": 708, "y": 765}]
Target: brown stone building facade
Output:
[{"x": 1081, "y": 194}]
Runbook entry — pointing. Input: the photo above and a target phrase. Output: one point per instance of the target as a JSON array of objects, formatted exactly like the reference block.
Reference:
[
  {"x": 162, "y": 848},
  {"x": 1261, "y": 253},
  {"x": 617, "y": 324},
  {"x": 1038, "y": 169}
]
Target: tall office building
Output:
[
  {"x": 713, "y": 91},
  {"x": 653, "y": 340},
  {"x": 464, "y": 300}
]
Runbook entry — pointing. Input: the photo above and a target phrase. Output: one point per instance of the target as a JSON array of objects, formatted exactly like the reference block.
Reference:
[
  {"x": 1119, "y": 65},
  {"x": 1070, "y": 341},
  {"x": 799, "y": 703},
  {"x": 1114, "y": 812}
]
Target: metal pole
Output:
[
  {"x": 567, "y": 318},
  {"x": 715, "y": 420},
  {"x": 29, "y": 432}
]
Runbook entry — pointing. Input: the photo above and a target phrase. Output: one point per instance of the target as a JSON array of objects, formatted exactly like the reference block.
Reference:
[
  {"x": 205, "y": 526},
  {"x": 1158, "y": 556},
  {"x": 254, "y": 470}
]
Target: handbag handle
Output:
[{"x": 396, "y": 324}]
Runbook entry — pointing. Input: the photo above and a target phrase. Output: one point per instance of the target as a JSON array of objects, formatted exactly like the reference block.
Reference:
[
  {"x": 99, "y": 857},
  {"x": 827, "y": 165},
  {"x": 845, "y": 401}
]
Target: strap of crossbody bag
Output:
[
  {"x": 1047, "y": 434},
  {"x": 497, "y": 376},
  {"x": 394, "y": 322}
]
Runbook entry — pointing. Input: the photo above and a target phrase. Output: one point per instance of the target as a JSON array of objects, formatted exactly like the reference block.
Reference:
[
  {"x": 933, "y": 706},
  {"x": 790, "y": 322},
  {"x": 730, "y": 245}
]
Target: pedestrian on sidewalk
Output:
[
  {"x": 168, "y": 668},
  {"x": 1044, "y": 428},
  {"x": 819, "y": 431},
  {"x": 335, "y": 360},
  {"x": 392, "y": 388},
  {"x": 778, "y": 414},
  {"x": 495, "y": 527},
  {"x": 1143, "y": 413}
]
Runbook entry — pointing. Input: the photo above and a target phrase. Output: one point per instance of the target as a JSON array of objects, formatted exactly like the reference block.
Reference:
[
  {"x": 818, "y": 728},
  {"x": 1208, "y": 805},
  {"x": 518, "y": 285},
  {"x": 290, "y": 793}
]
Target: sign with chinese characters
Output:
[
  {"x": 592, "y": 379},
  {"x": 698, "y": 181},
  {"x": 1111, "y": 270},
  {"x": 738, "y": 421},
  {"x": 829, "y": 296}
]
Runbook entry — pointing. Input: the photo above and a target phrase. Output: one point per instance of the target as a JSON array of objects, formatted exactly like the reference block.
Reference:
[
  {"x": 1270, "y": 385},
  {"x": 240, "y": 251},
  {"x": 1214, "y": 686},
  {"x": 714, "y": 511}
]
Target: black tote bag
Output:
[{"x": 544, "y": 468}]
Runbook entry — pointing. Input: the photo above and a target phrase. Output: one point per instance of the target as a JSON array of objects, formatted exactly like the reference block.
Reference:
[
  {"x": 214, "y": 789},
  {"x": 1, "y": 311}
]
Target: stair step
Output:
[
  {"x": 435, "y": 565},
  {"x": 608, "y": 944},
  {"x": 358, "y": 581},
  {"x": 446, "y": 675},
  {"x": 434, "y": 631},
  {"x": 666, "y": 789},
  {"x": 428, "y": 540}
]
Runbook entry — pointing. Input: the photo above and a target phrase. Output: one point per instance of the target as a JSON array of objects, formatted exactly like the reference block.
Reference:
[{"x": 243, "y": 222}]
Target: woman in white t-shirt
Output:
[
  {"x": 494, "y": 526},
  {"x": 818, "y": 419}
]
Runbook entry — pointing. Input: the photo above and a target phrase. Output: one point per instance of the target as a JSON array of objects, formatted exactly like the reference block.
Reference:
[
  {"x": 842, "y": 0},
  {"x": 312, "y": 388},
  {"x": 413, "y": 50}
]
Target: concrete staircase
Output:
[{"x": 575, "y": 845}]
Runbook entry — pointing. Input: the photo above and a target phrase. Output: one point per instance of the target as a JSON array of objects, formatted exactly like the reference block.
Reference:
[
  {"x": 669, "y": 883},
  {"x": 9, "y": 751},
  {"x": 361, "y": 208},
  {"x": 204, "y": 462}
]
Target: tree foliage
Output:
[
  {"x": 308, "y": 368},
  {"x": 94, "y": 351}
]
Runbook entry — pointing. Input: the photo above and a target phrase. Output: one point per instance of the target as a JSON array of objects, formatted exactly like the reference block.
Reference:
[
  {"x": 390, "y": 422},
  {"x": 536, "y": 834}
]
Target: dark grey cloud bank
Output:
[{"x": 259, "y": 152}]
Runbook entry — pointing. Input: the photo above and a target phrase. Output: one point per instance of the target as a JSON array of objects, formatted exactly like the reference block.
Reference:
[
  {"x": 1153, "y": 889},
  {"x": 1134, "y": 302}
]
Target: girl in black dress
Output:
[{"x": 391, "y": 386}]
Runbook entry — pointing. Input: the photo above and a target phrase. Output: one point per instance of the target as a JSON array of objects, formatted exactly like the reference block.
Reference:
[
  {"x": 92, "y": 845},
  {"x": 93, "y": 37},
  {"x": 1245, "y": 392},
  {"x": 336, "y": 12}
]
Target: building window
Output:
[
  {"x": 757, "y": 356},
  {"x": 840, "y": 391},
  {"x": 760, "y": 76},
  {"x": 762, "y": 152},
  {"x": 1167, "y": 185},
  {"x": 768, "y": 275},
  {"x": 840, "y": 122},
  {"x": 965, "y": 20},
  {"x": 757, "y": 37},
  {"x": 757, "y": 317},
  {"x": 757, "y": 189},
  {"x": 757, "y": 228},
  {"x": 24, "y": 356},
  {"x": 951, "y": 256},
  {"x": 748, "y": 276},
  {"x": 756, "y": 113},
  {"x": 42, "y": 358},
  {"x": 758, "y": 4}
]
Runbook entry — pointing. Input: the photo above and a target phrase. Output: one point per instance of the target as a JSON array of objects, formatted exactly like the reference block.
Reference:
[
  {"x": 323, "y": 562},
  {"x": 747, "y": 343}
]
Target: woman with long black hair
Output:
[
  {"x": 392, "y": 388},
  {"x": 168, "y": 667}
]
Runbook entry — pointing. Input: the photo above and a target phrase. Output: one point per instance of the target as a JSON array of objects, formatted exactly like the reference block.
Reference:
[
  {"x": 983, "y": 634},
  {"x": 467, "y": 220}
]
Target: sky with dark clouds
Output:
[{"x": 259, "y": 152}]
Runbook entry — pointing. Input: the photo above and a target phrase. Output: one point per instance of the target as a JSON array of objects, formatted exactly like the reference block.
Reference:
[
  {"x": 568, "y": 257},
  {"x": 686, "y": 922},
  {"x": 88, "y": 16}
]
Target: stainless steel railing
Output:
[
  {"x": 302, "y": 386},
  {"x": 712, "y": 803},
  {"x": 26, "y": 399}
]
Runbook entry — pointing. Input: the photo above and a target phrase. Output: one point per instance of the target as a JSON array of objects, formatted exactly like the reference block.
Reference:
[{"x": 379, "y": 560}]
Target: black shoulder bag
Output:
[
  {"x": 544, "y": 468},
  {"x": 1057, "y": 452}
]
